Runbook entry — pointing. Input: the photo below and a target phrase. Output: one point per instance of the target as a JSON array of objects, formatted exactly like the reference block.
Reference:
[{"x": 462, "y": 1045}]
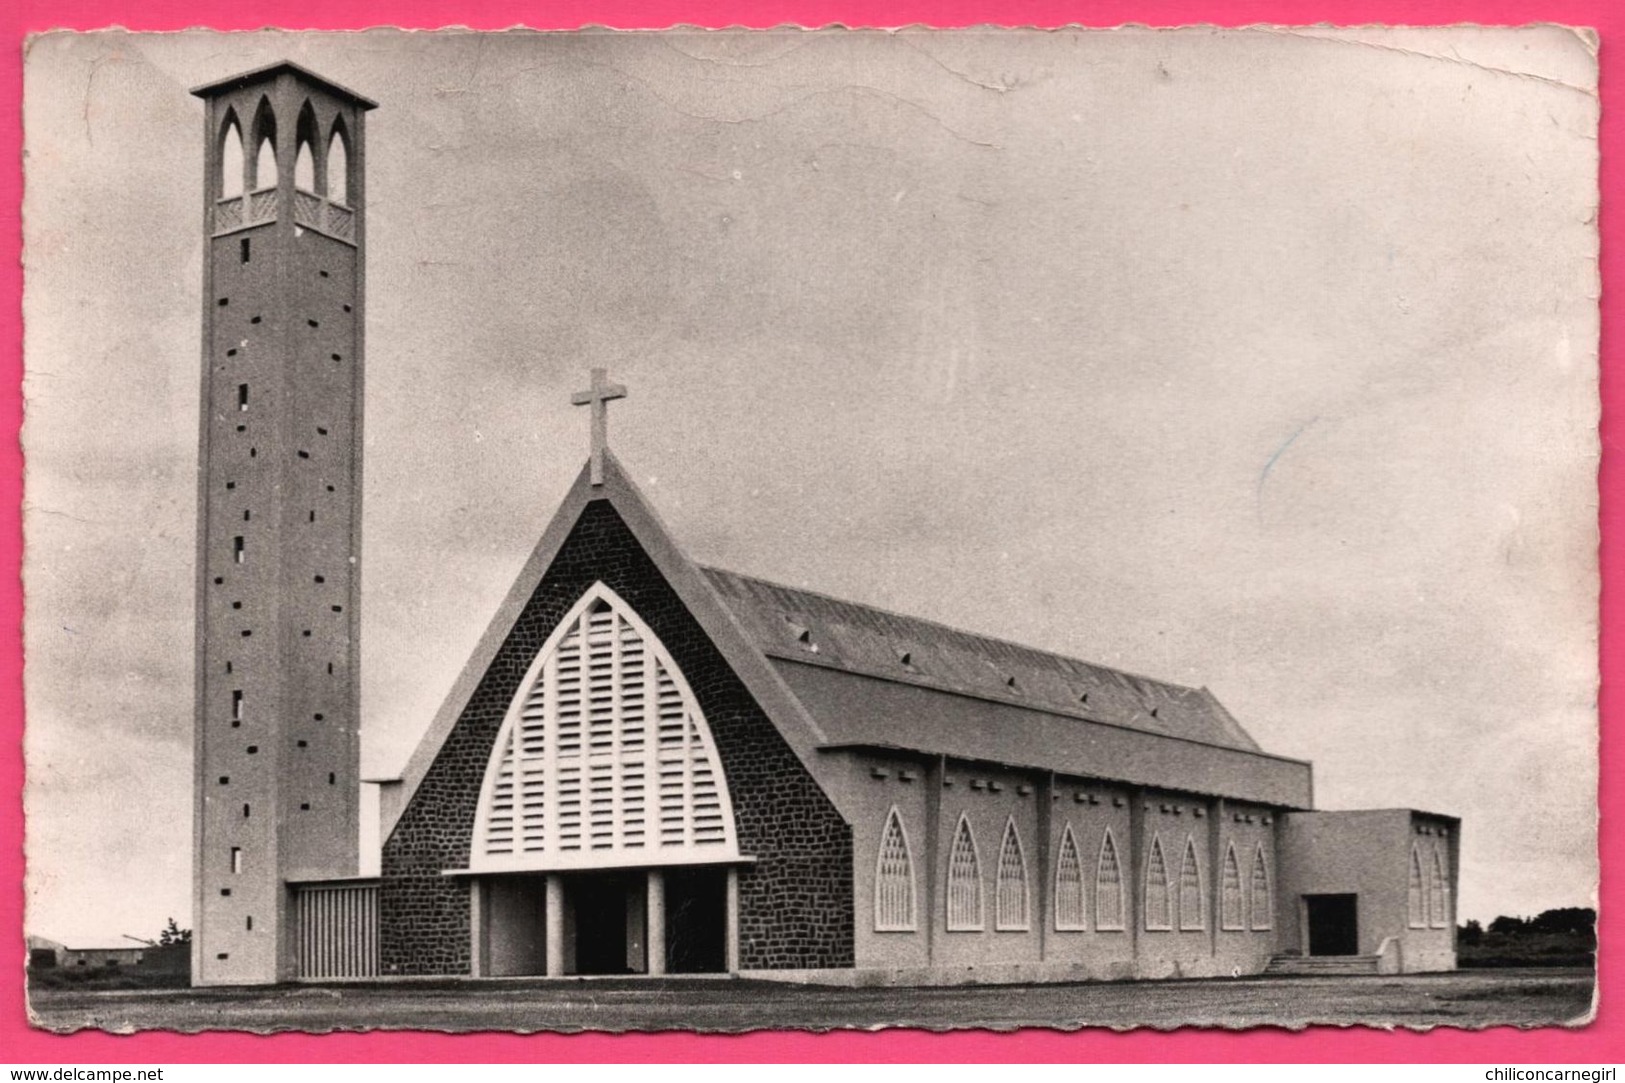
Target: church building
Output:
[{"x": 652, "y": 766}]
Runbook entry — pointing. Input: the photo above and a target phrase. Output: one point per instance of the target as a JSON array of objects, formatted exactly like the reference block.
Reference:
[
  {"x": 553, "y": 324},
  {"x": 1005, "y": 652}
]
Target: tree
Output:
[
  {"x": 1567, "y": 919},
  {"x": 1472, "y": 933},
  {"x": 173, "y": 934}
]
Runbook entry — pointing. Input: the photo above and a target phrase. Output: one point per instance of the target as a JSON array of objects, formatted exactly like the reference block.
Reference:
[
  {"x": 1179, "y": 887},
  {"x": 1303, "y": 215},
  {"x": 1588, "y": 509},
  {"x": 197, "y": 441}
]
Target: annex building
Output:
[{"x": 650, "y": 766}]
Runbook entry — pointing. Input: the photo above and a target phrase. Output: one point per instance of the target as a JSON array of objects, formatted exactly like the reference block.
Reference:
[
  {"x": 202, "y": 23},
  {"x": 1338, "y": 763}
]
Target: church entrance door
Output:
[
  {"x": 1333, "y": 924},
  {"x": 605, "y": 923},
  {"x": 697, "y": 921}
]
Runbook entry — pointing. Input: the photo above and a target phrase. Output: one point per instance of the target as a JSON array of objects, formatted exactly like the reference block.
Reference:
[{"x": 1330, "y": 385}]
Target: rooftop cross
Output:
[{"x": 598, "y": 396}]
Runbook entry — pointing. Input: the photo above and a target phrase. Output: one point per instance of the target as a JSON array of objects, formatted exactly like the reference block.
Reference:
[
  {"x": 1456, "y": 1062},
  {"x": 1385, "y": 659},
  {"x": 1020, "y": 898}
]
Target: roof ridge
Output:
[{"x": 982, "y": 636}]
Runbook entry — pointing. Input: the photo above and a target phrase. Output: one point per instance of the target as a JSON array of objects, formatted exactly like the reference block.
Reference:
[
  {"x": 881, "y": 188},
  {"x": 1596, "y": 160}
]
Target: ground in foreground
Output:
[{"x": 1478, "y": 998}]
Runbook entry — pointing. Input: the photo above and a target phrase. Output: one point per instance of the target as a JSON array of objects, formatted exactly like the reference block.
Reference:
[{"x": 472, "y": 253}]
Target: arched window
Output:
[
  {"x": 1262, "y": 902},
  {"x": 1439, "y": 893},
  {"x": 1158, "y": 905},
  {"x": 304, "y": 160},
  {"x": 894, "y": 879},
  {"x": 264, "y": 147},
  {"x": 1069, "y": 885},
  {"x": 1192, "y": 908},
  {"x": 1416, "y": 894},
  {"x": 604, "y": 758},
  {"x": 1230, "y": 915},
  {"x": 338, "y": 164},
  {"x": 304, "y": 168},
  {"x": 964, "y": 881},
  {"x": 1110, "y": 902},
  {"x": 1010, "y": 912},
  {"x": 231, "y": 159}
]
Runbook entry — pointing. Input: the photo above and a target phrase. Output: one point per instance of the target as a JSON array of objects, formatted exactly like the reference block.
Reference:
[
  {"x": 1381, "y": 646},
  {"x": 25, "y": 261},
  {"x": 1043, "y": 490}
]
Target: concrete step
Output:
[{"x": 1322, "y": 964}]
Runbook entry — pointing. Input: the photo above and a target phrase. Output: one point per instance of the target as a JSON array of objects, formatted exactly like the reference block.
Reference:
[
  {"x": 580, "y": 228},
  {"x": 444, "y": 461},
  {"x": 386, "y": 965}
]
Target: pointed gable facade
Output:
[{"x": 786, "y": 865}]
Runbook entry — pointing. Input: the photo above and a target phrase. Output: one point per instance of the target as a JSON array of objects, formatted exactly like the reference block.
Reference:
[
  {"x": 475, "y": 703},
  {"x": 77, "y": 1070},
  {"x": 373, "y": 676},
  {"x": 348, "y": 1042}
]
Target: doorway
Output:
[
  {"x": 697, "y": 921},
  {"x": 1334, "y": 927},
  {"x": 604, "y": 930}
]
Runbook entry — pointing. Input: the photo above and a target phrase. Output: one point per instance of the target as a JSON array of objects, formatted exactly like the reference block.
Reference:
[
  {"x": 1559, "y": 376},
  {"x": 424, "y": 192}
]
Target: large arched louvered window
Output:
[
  {"x": 1230, "y": 901},
  {"x": 1416, "y": 903},
  {"x": 964, "y": 881},
  {"x": 231, "y": 160},
  {"x": 605, "y": 758},
  {"x": 1069, "y": 885},
  {"x": 1439, "y": 893},
  {"x": 1158, "y": 903},
  {"x": 1111, "y": 901},
  {"x": 1010, "y": 911},
  {"x": 1192, "y": 903},
  {"x": 894, "y": 879},
  {"x": 1261, "y": 899}
]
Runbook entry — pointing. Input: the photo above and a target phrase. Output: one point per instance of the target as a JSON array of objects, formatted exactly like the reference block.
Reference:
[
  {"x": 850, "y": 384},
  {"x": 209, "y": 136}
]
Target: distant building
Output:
[
  {"x": 44, "y": 954},
  {"x": 649, "y": 766}
]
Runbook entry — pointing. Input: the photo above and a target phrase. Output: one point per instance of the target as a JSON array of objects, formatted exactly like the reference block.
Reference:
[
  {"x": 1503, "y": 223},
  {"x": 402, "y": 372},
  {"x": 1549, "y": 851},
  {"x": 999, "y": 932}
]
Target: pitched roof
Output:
[
  {"x": 803, "y": 626},
  {"x": 271, "y": 71}
]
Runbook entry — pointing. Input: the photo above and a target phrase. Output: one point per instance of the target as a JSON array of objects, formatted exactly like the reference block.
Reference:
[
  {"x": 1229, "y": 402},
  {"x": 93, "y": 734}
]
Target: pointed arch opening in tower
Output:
[
  {"x": 894, "y": 878},
  {"x": 264, "y": 147},
  {"x": 1192, "y": 903},
  {"x": 230, "y": 183},
  {"x": 304, "y": 159},
  {"x": 1158, "y": 903},
  {"x": 1111, "y": 901},
  {"x": 1069, "y": 907},
  {"x": 604, "y": 759},
  {"x": 964, "y": 881},
  {"x": 338, "y": 164},
  {"x": 1230, "y": 897}
]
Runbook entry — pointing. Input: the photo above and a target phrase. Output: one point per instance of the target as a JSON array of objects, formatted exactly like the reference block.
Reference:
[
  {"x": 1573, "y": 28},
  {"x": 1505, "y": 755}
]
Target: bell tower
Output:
[{"x": 276, "y": 727}]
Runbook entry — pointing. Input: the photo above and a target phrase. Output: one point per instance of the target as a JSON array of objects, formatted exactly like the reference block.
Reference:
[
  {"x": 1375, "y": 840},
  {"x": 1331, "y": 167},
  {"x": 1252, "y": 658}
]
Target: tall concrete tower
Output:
[{"x": 277, "y": 747}]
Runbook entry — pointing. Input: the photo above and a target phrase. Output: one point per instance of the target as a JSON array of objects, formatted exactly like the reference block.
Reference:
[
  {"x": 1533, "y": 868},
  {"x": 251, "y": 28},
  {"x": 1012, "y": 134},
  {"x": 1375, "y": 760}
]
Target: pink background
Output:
[{"x": 1603, "y": 1040}]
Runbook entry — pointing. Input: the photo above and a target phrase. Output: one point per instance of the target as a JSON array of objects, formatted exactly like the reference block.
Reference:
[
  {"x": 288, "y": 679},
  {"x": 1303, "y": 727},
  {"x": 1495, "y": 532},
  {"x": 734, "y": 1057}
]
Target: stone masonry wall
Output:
[{"x": 795, "y": 902}]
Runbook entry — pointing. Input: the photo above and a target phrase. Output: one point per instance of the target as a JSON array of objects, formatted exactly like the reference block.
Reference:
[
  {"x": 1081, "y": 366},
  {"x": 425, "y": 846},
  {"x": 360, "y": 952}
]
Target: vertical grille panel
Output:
[{"x": 337, "y": 930}]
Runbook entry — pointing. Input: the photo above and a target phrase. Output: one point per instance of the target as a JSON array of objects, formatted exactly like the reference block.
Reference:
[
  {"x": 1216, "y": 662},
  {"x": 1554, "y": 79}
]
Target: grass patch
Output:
[
  {"x": 107, "y": 978},
  {"x": 1527, "y": 949}
]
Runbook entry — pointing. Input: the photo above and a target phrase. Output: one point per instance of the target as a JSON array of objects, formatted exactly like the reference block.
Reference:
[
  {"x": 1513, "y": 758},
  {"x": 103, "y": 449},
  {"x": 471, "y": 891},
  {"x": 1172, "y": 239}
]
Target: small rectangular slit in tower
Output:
[
  {"x": 236, "y": 859},
  {"x": 242, "y": 397},
  {"x": 237, "y": 703},
  {"x": 237, "y": 548}
]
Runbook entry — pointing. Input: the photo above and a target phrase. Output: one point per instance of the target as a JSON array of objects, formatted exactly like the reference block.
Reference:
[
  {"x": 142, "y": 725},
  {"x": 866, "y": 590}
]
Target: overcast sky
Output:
[{"x": 1246, "y": 359}]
